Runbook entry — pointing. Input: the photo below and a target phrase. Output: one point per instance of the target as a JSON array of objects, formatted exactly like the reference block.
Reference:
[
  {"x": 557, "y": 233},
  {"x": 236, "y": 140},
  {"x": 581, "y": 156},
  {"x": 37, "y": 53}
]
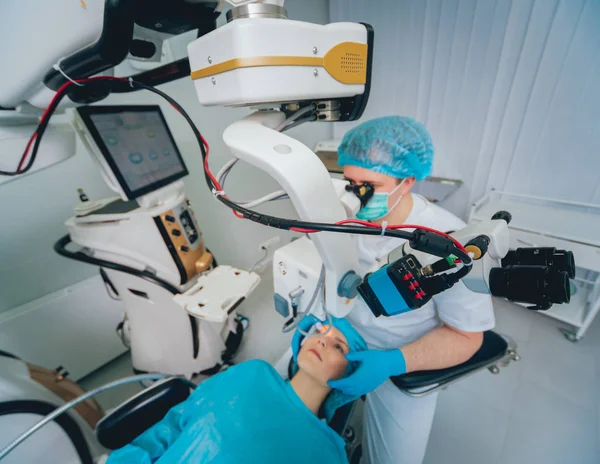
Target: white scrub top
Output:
[{"x": 458, "y": 307}]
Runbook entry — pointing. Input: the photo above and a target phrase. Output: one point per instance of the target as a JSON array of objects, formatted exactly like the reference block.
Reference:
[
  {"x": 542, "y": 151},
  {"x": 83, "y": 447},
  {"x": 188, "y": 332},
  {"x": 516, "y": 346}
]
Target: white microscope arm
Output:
[{"x": 308, "y": 184}]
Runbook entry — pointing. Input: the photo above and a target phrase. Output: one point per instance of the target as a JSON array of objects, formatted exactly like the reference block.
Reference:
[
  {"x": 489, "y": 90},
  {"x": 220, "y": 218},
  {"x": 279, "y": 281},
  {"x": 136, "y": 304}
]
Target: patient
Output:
[{"x": 250, "y": 414}]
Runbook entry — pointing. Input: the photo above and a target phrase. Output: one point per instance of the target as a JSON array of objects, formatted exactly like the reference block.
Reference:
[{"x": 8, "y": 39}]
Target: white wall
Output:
[
  {"x": 32, "y": 211},
  {"x": 508, "y": 89},
  {"x": 34, "y": 208}
]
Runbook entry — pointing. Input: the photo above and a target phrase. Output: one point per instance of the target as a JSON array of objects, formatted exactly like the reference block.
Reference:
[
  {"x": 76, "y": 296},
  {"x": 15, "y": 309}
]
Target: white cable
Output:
[
  {"x": 268, "y": 197},
  {"x": 225, "y": 169},
  {"x": 384, "y": 225},
  {"x": 222, "y": 175},
  {"x": 297, "y": 122},
  {"x": 261, "y": 261},
  {"x": 296, "y": 115},
  {"x": 217, "y": 193},
  {"x": 472, "y": 256},
  {"x": 57, "y": 412},
  {"x": 57, "y": 67}
]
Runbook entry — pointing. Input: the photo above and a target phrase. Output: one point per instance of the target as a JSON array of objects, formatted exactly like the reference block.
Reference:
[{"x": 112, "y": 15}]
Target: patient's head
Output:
[{"x": 324, "y": 357}]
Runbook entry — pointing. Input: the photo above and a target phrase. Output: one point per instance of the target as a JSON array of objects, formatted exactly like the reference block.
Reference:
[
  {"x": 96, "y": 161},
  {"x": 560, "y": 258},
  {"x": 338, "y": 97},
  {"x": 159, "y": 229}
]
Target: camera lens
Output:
[
  {"x": 557, "y": 260},
  {"x": 538, "y": 285}
]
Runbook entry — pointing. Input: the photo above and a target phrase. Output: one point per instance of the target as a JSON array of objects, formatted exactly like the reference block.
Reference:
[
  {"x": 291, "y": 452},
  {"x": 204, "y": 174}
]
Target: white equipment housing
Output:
[
  {"x": 45, "y": 41},
  {"x": 263, "y": 60},
  {"x": 296, "y": 265},
  {"x": 16, "y": 384},
  {"x": 58, "y": 146},
  {"x": 163, "y": 338},
  {"x": 152, "y": 228}
]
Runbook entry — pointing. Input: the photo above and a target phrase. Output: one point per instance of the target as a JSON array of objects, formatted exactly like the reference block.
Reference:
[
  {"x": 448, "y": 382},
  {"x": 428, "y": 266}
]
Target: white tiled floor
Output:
[{"x": 544, "y": 409}]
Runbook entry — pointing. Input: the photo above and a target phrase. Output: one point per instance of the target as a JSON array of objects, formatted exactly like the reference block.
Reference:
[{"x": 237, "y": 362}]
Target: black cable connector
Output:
[
  {"x": 440, "y": 283},
  {"x": 439, "y": 266},
  {"x": 431, "y": 243}
]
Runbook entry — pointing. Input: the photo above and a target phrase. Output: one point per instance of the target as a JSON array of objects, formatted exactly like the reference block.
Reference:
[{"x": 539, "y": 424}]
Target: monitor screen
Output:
[{"x": 137, "y": 145}]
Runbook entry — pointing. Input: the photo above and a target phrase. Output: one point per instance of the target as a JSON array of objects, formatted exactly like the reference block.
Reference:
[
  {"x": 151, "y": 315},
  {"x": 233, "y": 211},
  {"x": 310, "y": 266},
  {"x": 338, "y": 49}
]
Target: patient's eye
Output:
[{"x": 339, "y": 347}]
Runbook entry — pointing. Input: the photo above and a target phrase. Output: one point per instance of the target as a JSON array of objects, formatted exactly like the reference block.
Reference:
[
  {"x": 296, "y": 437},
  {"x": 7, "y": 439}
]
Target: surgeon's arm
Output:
[{"x": 442, "y": 347}]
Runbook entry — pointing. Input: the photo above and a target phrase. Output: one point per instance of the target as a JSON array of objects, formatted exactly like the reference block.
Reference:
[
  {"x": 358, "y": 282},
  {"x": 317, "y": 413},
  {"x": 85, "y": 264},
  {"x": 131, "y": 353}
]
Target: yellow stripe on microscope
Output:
[
  {"x": 346, "y": 62},
  {"x": 256, "y": 61}
]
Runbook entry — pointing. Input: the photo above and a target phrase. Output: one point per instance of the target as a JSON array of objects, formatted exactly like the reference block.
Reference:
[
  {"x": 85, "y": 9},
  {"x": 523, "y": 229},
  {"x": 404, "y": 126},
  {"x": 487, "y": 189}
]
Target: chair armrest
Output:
[
  {"x": 140, "y": 412},
  {"x": 493, "y": 348}
]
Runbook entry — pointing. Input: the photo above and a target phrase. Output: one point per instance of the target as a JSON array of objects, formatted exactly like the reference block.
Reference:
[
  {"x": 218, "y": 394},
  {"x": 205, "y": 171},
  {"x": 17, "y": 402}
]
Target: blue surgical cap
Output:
[
  {"x": 394, "y": 145},
  {"x": 337, "y": 398}
]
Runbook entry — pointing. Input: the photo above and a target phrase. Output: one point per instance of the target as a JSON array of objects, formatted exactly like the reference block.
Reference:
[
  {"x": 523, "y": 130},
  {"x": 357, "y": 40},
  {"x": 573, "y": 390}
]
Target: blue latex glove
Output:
[
  {"x": 305, "y": 324},
  {"x": 376, "y": 366}
]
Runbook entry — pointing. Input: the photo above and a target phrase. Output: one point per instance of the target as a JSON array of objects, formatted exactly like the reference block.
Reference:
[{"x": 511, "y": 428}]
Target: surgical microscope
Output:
[{"x": 147, "y": 239}]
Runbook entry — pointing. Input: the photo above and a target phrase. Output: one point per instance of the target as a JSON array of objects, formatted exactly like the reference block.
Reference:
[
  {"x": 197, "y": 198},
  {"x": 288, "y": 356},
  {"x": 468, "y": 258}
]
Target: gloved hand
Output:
[
  {"x": 376, "y": 366},
  {"x": 305, "y": 324}
]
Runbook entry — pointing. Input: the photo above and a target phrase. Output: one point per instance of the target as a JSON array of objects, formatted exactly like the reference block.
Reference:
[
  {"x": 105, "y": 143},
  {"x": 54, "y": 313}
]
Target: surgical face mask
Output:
[{"x": 377, "y": 206}]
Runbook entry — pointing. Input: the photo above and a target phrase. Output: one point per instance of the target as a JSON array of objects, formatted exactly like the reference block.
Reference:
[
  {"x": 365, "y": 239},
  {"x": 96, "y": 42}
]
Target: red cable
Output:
[
  {"x": 303, "y": 231},
  {"x": 218, "y": 187},
  {"x": 216, "y": 183},
  {"x": 24, "y": 155},
  {"x": 46, "y": 112},
  {"x": 429, "y": 229},
  {"x": 346, "y": 221},
  {"x": 405, "y": 226},
  {"x": 393, "y": 227}
]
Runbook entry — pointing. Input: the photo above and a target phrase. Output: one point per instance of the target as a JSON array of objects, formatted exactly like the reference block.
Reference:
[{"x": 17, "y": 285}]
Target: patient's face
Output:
[{"x": 324, "y": 358}]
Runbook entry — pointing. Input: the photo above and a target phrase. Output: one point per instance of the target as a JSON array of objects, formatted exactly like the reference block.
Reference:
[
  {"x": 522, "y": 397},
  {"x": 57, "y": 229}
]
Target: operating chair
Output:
[{"x": 145, "y": 409}]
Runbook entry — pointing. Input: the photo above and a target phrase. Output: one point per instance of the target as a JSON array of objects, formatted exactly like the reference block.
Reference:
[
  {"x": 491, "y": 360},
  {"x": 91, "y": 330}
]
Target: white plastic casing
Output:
[
  {"x": 328, "y": 147},
  {"x": 261, "y": 37},
  {"x": 215, "y": 295},
  {"x": 297, "y": 264},
  {"x": 59, "y": 145},
  {"x": 310, "y": 188},
  {"x": 33, "y": 43}
]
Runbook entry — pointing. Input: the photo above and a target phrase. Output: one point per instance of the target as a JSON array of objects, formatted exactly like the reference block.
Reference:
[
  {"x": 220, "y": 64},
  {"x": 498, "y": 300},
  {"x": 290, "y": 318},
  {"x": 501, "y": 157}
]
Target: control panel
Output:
[{"x": 183, "y": 238}]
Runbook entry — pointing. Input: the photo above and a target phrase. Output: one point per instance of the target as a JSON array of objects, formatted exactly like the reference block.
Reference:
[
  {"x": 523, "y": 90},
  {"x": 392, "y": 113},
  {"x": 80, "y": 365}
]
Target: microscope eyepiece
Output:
[
  {"x": 557, "y": 260},
  {"x": 539, "y": 285}
]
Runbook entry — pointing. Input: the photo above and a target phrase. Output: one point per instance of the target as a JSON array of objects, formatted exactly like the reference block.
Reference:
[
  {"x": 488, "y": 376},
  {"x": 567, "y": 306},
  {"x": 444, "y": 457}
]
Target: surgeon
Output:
[
  {"x": 388, "y": 156},
  {"x": 249, "y": 414}
]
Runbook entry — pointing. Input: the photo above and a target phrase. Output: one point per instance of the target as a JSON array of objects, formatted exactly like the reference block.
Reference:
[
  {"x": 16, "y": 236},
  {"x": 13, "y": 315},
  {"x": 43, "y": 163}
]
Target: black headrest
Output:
[{"x": 140, "y": 412}]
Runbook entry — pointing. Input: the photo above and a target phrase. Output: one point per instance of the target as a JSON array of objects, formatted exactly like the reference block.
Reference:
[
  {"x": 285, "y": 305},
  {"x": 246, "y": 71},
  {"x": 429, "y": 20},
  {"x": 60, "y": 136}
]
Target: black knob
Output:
[
  {"x": 176, "y": 232},
  {"x": 478, "y": 246},
  {"x": 184, "y": 249},
  {"x": 170, "y": 218},
  {"x": 502, "y": 215}
]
